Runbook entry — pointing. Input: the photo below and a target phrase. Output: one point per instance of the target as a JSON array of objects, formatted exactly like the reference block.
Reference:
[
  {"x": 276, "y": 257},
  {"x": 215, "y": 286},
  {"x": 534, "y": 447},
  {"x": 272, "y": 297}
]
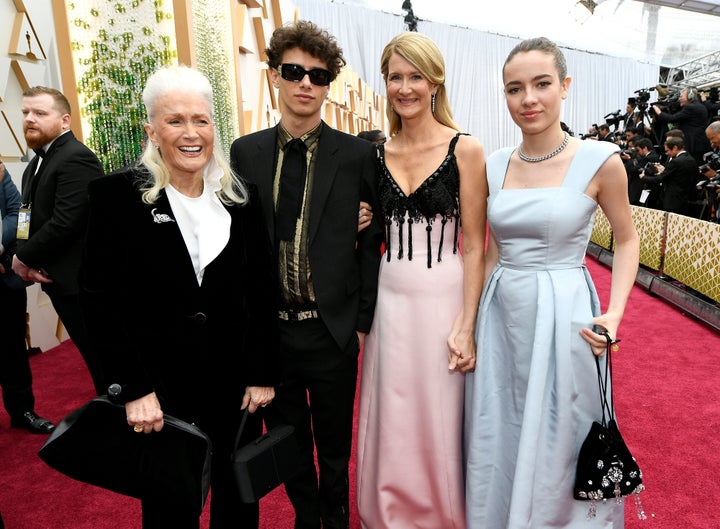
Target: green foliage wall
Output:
[
  {"x": 117, "y": 44},
  {"x": 214, "y": 51}
]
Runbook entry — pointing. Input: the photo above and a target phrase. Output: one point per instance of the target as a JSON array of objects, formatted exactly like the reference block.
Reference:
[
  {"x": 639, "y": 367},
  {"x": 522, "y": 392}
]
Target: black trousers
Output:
[
  {"x": 15, "y": 374},
  {"x": 226, "y": 509},
  {"x": 68, "y": 310},
  {"x": 317, "y": 397}
]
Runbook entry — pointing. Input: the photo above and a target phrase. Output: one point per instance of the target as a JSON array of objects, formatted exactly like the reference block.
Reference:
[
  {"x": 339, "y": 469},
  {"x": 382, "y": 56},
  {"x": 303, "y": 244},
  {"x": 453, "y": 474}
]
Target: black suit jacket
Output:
[
  {"x": 154, "y": 327},
  {"x": 344, "y": 263},
  {"x": 635, "y": 183},
  {"x": 692, "y": 119},
  {"x": 678, "y": 183},
  {"x": 58, "y": 219}
]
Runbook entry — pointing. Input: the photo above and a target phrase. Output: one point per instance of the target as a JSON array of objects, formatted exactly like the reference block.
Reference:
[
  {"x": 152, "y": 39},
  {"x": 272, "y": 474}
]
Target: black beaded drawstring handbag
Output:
[{"x": 606, "y": 469}]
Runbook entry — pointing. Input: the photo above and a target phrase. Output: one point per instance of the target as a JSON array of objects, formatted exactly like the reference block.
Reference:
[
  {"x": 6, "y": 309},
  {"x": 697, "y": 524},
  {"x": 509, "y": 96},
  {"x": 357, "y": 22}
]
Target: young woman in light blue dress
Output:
[{"x": 534, "y": 393}]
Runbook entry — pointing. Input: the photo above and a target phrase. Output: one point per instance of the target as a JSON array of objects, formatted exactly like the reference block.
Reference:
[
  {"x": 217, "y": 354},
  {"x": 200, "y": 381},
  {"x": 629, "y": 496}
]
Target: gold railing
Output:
[{"x": 683, "y": 248}]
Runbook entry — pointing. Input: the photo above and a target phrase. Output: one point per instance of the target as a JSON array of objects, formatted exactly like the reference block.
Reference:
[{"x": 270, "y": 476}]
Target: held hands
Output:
[
  {"x": 461, "y": 348},
  {"x": 144, "y": 414},
  {"x": 257, "y": 397}
]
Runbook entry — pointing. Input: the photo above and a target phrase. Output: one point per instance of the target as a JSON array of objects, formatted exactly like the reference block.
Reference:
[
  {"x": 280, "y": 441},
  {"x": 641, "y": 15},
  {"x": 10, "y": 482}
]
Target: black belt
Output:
[{"x": 298, "y": 315}]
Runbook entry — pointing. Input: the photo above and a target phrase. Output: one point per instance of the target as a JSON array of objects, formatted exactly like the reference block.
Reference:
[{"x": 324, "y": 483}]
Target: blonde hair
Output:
[
  {"x": 160, "y": 83},
  {"x": 420, "y": 51}
]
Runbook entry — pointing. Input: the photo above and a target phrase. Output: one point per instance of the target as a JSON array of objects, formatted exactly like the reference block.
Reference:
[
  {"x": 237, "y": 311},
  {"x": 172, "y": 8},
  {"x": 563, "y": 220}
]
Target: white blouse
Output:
[{"x": 204, "y": 222}]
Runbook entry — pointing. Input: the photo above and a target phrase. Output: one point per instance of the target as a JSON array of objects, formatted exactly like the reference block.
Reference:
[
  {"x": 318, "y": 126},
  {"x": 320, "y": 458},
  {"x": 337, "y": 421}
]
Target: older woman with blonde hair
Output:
[
  {"x": 432, "y": 190},
  {"x": 177, "y": 288}
]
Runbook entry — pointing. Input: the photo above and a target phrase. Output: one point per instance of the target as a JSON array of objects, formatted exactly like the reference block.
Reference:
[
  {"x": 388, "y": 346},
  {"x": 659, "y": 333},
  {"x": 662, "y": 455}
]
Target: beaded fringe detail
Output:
[
  {"x": 592, "y": 510},
  {"x": 428, "y": 229}
]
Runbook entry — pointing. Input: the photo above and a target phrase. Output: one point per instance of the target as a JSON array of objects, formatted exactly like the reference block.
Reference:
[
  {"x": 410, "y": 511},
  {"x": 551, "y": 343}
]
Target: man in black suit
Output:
[
  {"x": 311, "y": 179},
  {"x": 692, "y": 118},
  {"x": 678, "y": 178},
  {"x": 645, "y": 155},
  {"x": 15, "y": 374},
  {"x": 604, "y": 133},
  {"x": 711, "y": 194},
  {"x": 53, "y": 218}
]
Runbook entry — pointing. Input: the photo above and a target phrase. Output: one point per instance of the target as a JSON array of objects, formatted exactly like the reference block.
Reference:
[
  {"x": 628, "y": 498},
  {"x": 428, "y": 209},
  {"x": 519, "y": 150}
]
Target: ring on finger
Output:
[{"x": 138, "y": 428}]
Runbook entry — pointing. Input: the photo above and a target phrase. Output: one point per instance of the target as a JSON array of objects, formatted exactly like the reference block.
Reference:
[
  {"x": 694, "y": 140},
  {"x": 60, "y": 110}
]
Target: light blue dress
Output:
[{"x": 534, "y": 394}]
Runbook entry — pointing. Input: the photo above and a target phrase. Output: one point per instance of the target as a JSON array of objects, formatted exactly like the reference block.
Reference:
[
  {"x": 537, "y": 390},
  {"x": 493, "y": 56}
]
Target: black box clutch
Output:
[
  {"x": 265, "y": 463},
  {"x": 95, "y": 445}
]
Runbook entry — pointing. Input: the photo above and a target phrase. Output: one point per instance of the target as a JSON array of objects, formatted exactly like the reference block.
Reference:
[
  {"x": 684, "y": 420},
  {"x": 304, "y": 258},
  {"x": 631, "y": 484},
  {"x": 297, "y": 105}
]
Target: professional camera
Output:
[
  {"x": 671, "y": 102},
  {"x": 593, "y": 134},
  {"x": 712, "y": 161},
  {"x": 650, "y": 169},
  {"x": 713, "y": 183},
  {"x": 613, "y": 119},
  {"x": 643, "y": 96},
  {"x": 632, "y": 153}
]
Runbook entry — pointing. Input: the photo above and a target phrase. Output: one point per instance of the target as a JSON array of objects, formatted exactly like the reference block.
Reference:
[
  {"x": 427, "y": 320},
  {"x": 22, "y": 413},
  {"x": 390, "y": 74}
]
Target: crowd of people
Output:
[
  {"x": 201, "y": 286},
  {"x": 670, "y": 153}
]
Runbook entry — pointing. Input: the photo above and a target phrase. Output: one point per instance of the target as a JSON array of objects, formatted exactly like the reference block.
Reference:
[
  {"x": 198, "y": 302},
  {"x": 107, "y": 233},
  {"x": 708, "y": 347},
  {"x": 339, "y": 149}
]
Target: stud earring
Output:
[{"x": 432, "y": 103}]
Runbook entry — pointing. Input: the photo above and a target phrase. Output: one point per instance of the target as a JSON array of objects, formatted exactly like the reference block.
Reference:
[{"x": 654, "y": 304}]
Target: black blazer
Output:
[
  {"x": 635, "y": 183},
  {"x": 678, "y": 183},
  {"x": 58, "y": 219},
  {"x": 344, "y": 263},
  {"x": 154, "y": 327},
  {"x": 692, "y": 119}
]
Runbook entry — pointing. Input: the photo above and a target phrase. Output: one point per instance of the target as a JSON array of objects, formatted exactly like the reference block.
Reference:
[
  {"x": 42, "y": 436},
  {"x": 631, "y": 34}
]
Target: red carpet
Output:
[{"x": 666, "y": 398}]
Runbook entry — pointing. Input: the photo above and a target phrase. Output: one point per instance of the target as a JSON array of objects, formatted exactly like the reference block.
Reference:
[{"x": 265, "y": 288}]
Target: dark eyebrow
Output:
[{"x": 536, "y": 78}]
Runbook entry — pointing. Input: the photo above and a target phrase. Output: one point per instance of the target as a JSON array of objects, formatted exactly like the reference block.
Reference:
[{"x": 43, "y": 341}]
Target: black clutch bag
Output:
[
  {"x": 265, "y": 463},
  {"x": 95, "y": 445},
  {"x": 606, "y": 469}
]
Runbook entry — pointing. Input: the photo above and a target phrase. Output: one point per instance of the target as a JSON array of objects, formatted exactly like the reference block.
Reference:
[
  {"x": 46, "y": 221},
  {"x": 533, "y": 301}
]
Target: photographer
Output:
[
  {"x": 592, "y": 133},
  {"x": 631, "y": 134},
  {"x": 712, "y": 102},
  {"x": 712, "y": 132},
  {"x": 632, "y": 117},
  {"x": 709, "y": 186},
  {"x": 645, "y": 159},
  {"x": 692, "y": 119},
  {"x": 604, "y": 133},
  {"x": 677, "y": 178}
]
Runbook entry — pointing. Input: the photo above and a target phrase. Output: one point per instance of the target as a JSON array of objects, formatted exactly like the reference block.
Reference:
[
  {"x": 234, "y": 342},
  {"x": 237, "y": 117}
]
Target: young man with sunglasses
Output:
[{"x": 311, "y": 179}]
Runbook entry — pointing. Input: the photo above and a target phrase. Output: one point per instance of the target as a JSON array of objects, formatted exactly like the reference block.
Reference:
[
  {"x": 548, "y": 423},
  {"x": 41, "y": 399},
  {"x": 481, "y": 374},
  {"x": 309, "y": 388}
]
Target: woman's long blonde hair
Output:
[{"x": 420, "y": 51}]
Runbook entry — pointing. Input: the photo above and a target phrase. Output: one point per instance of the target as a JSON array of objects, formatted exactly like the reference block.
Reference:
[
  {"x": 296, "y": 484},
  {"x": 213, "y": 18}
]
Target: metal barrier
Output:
[{"x": 680, "y": 258}]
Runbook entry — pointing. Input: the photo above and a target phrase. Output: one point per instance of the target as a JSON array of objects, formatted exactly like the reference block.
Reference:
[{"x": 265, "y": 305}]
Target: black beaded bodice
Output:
[{"x": 436, "y": 199}]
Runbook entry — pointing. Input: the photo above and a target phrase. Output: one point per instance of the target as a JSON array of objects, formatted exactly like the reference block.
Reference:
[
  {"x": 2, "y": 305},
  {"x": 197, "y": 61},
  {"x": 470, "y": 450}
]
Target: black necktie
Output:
[
  {"x": 40, "y": 152},
  {"x": 292, "y": 186}
]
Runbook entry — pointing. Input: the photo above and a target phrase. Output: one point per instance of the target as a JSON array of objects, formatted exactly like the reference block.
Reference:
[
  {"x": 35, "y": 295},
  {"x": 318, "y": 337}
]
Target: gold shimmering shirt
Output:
[{"x": 296, "y": 288}]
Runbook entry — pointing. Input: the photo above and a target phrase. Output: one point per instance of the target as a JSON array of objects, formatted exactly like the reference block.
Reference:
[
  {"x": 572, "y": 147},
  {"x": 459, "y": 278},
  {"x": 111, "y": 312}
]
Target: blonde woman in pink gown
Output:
[{"x": 432, "y": 190}]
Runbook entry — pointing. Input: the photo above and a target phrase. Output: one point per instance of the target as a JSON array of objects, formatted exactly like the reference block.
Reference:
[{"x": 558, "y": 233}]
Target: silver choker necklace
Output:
[{"x": 531, "y": 159}]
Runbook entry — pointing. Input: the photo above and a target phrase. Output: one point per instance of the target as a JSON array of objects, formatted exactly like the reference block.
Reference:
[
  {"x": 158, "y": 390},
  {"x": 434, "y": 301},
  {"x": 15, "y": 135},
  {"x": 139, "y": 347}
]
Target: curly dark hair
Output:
[{"x": 310, "y": 39}]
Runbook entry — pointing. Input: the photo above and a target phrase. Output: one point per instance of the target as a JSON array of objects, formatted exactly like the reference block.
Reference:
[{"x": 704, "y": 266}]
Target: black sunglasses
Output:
[{"x": 295, "y": 73}]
